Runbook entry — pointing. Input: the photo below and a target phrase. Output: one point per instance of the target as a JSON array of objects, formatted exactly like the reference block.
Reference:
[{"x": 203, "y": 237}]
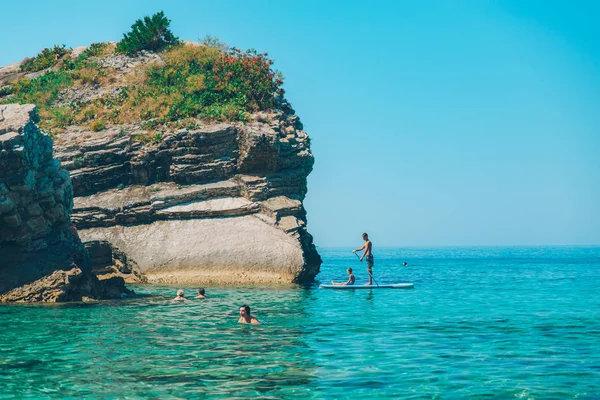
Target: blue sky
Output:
[{"x": 433, "y": 122}]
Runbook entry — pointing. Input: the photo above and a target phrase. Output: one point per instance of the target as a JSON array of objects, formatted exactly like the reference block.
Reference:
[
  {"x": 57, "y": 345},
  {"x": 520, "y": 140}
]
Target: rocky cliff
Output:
[
  {"x": 41, "y": 258},
  {"x": 189, "y": 201},
  {"x": 218, "y": 204}
]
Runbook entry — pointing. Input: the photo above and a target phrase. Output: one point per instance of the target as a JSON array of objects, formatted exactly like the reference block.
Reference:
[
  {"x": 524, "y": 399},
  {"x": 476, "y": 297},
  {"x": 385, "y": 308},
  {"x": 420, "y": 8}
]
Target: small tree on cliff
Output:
[{"x": 151, "y": 33}]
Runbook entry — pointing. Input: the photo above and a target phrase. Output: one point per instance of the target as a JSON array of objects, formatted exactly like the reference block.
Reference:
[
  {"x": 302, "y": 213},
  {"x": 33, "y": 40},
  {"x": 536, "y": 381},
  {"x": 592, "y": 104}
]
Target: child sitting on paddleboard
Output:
[{"x": 350, "y": 279}]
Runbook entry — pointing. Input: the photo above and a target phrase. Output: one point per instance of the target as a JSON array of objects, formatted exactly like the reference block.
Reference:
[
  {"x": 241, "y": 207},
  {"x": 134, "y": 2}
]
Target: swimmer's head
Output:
[
  {"x": 180, "y": 293},
  {"x": 245, "y": 310},
  {"x": 349, "y": 270},
  {"x": 201, "y": 291}
]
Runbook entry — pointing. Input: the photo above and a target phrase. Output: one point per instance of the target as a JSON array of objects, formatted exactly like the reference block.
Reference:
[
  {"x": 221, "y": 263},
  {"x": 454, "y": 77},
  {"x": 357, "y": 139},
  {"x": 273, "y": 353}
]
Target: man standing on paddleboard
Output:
[{"x": 368, "y": 248}]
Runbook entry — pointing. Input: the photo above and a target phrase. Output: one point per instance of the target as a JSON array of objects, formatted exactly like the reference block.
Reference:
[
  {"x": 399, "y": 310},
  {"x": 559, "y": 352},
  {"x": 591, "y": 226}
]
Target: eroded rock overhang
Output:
[{"x": 221, "y": 204}]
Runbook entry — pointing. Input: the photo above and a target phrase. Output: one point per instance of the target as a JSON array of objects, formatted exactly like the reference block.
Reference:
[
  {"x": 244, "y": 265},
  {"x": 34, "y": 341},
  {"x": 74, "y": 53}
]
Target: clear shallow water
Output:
[{"x": 496, "y": 323}]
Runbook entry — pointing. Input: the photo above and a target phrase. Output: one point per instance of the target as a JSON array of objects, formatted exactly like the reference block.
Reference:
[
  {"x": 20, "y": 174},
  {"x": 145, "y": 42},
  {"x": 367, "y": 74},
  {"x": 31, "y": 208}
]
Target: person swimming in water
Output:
[
  {"x": 180, "y": 296},
  {"x": 201, "y": 292},
  {"x": 246, "y": 317},
  {"x": 350, "y": 282},
  {"x": 368, "y": 248}
]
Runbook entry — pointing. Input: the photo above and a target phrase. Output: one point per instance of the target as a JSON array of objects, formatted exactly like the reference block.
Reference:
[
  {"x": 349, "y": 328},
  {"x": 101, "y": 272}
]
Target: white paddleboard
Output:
[{"x": 352, "y": 287}]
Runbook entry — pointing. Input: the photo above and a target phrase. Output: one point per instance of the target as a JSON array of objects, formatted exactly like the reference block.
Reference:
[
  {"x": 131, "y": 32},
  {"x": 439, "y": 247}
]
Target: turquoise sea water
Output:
[{"x": 481, "y": 322}]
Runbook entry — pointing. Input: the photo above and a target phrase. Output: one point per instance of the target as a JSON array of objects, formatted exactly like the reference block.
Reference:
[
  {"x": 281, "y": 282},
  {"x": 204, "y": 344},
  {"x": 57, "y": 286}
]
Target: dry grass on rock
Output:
[{"x": 96, "y": 87}]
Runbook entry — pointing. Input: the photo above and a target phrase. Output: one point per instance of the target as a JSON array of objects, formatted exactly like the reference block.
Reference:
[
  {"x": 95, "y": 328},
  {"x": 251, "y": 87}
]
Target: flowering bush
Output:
[
  {"x": 246, "y": 77},
  {"x": 205, "y": 82}
]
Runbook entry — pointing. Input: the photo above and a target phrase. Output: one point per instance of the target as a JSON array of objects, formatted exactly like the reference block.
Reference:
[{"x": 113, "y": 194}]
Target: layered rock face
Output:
[
  {"x": 36, "y": 199},
  {"x": 211, "y": 204}
]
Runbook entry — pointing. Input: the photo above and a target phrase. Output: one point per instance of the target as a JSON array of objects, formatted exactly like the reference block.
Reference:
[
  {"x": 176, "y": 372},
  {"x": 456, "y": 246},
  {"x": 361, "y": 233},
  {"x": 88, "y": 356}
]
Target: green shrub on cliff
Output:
[
  {"x": 47, "y": 58},
  {"x": 150, "y": 33},
  {"x": 42, "y": 91},
  {"x": 6, "y": 90},
  {"x": 97, "y": 125},
  {"x": 95, "y": 50}
]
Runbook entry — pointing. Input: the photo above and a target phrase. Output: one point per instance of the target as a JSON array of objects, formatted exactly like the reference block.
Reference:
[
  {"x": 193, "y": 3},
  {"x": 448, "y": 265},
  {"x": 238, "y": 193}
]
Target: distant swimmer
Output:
[
  {"x": 368, "y": 248},
  {"x": 350, "y": 282},
  {"x": 246, "y": 317},
  {"x": 180, "y": 296},
  {"x": 201, "y": 292},
  {"x": 405, "y": 264}
]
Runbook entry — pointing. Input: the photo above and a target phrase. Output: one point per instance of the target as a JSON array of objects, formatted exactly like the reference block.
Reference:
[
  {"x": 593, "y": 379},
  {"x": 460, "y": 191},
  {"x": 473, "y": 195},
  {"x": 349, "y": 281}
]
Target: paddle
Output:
[{"x": 370, "y": 274}]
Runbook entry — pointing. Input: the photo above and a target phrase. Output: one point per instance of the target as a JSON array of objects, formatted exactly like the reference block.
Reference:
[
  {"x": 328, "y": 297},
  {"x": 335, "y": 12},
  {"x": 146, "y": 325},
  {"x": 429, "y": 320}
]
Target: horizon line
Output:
[{"x": 468, "y": 245}]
